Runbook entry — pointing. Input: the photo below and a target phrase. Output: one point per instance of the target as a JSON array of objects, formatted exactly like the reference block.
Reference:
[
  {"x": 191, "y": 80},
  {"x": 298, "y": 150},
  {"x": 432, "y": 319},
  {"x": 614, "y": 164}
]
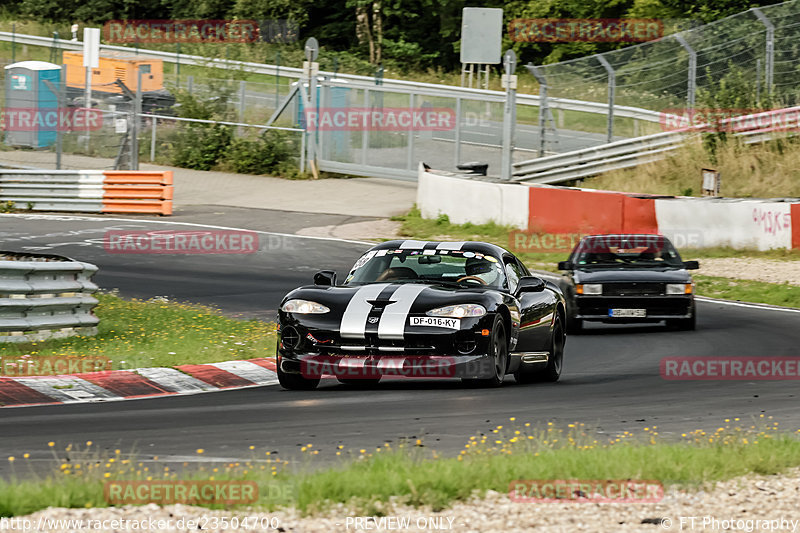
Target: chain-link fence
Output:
[{"x": 756, "y": 49}]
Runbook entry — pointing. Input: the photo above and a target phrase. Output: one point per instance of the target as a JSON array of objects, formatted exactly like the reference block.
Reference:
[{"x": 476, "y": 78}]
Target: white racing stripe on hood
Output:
[
  {"x": 412, "y": 244},
  {"x": 354, "y": 318},
  {"x": 393, "y": 320},
  {"x": 451, "y": 245}
]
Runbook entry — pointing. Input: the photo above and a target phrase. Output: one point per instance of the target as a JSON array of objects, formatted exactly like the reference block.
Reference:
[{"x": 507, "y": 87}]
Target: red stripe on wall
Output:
[
  {"x": 215, "y": 376},
  {"x": 15, "y": 393},
  {"x": 125, "y": 384},
  {"x": 639, "y": 215},
  {"x": 796, "y": 226},
  {"x": 571, "y": 211}
]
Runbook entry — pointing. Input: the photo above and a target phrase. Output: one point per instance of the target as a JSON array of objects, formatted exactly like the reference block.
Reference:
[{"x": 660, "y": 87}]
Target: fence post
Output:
[
  {"x": 612, "y": 85},
  {"x": 692, "y": 87},
  {"x": 13, "y": 42},
  {"x": 770, "y": 48},
  {"x": 137, "y": 112},
  {"x": 410, "y": 160},
  {"x": 542, "y": 105},
  {"x": 242, "y": 96},
  {"x": 277, "y": 78},
  {"x": 509, "y": 113},
  {"x": 457, "y": 134},
  {"x": 153, "y": 141},
  {"x": 189, "y": 83}
]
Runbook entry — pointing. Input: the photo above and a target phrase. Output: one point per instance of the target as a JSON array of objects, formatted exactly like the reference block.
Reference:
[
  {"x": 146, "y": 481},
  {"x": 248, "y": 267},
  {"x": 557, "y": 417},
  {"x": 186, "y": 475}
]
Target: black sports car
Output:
[
  {"x": 423, "y": 309},
  {"x": 626, "y": 279}
]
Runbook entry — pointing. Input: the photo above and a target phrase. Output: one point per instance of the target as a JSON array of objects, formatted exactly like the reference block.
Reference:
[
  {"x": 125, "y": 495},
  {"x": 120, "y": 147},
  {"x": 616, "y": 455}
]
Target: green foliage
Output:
[
  {"x": 7, "y": 207},
  {"x": 200, "y": 146},
  {"x": 265, "y": 154}
]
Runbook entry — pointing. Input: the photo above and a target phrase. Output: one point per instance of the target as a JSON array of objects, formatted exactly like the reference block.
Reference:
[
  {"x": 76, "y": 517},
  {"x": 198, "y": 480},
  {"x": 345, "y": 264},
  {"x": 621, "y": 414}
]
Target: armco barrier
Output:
[
  {"x": 543, "y": 209},
  {"x": 88, "y": 191},
  {"x": 45, "y": 296}
]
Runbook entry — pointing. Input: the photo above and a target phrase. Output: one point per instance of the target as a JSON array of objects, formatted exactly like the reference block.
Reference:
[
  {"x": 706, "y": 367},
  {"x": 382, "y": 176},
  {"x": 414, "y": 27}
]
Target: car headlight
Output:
[
  {"x": 458, "y": 311},
  {"x": 679, "y": 288},
  {"x": 304, "y": 307},
  {"x": 589, "y": 288}
]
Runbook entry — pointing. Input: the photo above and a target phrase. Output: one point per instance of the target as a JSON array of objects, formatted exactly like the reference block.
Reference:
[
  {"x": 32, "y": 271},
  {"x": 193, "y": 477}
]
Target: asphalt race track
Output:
[{"x": 611, "y": 379}]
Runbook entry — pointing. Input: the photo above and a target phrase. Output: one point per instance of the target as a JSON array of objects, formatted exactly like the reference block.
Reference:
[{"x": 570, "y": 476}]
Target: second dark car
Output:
[{"x": 628, "y": 278}]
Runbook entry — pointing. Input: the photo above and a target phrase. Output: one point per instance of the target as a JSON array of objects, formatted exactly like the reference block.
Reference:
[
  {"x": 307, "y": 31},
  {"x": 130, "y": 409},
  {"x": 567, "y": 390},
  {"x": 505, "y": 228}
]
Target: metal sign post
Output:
[
  {"x": 91, "y": 60},
  {"x": 509, "y": 112},
  {"x": 310, "y": 70}
]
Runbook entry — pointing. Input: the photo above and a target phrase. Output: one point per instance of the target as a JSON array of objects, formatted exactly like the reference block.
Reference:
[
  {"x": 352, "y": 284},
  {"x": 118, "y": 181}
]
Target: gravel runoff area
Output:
[
  {"x": 750, "y": 503},
  {"x": 757, "y": 269}
]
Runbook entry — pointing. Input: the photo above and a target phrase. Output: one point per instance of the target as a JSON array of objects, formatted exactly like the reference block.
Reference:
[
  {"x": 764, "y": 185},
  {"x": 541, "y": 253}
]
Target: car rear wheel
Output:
[
  {"x": 296, "y": 381},
  {"x": 498, "y": 350},
  {"x": 552, "y": 370}
]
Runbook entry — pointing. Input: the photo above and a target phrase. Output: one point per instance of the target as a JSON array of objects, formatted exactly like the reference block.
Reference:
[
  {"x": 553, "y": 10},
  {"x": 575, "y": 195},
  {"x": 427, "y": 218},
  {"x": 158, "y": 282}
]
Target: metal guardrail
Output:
[
  {"x": 45, "y": 296},
  {"x": 633, "y": 152},
  {"x": 387, "y": 83}
]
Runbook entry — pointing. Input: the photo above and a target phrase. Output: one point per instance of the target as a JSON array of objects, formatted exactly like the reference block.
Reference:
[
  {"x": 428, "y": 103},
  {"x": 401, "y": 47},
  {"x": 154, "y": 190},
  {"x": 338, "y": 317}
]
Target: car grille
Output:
[{"x": 633, "y": 289}]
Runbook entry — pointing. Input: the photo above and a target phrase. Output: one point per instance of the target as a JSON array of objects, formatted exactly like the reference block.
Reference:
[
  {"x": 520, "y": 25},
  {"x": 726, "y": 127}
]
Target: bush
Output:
[
  {"x": 200, "y": 146},
  {"x": 265, "y": 154}
]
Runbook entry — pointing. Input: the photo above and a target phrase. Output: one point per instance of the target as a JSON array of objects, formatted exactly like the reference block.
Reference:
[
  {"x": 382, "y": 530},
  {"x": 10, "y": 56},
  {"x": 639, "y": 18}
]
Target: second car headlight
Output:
[
  {"x": 679, "y": 288},
  {"x": 458, "y": 311},
  {"x": 589, "y": 288},
  {"x": 304, "y": 307}
]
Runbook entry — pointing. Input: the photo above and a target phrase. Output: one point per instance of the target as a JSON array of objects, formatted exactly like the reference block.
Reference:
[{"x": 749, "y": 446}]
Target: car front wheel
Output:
[
  {"x": 296, "y": 381},
  {"x": 498, "y": 350}
]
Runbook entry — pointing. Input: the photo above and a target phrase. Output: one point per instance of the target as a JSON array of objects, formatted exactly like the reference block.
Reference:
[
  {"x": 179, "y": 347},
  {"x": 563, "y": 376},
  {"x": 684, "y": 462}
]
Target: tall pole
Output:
[
  {"x": 509, "y": 81},
  {"x": 692, "y": 74},
  {"x": 770, "y": 47},
  {"x": 612, "y": 86}
]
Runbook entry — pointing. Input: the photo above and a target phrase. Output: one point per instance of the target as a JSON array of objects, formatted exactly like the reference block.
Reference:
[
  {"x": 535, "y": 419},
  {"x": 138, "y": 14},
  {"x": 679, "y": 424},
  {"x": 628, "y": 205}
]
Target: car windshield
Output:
[
  {"x": 452, "y": 267},
  {"x": 612, "y": 251}
]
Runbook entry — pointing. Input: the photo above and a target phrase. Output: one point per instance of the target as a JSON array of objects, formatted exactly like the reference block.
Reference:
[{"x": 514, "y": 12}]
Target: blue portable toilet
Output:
[{"x": 31, "y": 108}]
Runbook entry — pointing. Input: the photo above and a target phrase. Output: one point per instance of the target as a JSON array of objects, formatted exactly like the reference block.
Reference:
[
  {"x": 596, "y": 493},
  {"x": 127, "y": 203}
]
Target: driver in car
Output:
[{"x": 486, "y": 271}]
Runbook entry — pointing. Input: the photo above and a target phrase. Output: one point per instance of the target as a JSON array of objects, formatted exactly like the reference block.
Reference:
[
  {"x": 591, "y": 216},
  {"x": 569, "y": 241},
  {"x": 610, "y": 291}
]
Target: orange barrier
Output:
[
  {"x": 130, "y": 191},
  {"x": 571, "y": 211},
  {"x": 795, "y": 226}
]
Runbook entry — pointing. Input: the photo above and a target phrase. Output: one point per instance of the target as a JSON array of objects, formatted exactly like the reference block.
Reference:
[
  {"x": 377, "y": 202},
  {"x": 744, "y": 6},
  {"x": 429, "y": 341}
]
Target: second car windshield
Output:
[
  {"x": 445, "y": 266},
  {"x": 621, "y": 251}
]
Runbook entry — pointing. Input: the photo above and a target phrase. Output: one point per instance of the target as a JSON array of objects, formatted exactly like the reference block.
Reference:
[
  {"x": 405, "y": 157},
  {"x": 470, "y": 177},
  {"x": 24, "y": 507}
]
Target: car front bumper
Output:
[{"x": 656, "y": 308}]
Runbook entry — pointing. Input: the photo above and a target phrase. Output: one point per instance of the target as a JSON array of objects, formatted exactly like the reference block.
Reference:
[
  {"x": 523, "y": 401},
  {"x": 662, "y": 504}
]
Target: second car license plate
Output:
[
  {"x": 627, "y": 313},
  {"x": 451, "y": 323}
]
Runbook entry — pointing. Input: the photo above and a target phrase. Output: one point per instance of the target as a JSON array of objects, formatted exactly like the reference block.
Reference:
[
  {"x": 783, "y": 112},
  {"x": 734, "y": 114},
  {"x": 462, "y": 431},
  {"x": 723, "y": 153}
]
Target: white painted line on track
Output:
[
  {"x": 765, "y": 307},
  {"x": 168, "y": 222}
]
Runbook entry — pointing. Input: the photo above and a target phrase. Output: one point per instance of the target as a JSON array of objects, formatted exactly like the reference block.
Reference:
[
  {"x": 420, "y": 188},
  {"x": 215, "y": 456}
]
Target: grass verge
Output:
[
  {"x": 157, "y": 332},
  {"x": 414, "y": 226},
  {"x": 412, "y": 474}
]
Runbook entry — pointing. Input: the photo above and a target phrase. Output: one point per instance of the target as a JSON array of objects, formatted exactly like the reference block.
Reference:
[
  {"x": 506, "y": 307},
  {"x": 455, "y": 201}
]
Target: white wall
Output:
[
  {"x": 705, "y": 223},
  {"x": 466, "y": 200}
]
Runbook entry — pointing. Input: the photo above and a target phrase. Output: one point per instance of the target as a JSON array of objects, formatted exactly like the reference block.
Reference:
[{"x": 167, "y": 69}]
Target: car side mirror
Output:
[
  {"x": 565, "y": 265},
  {"x": 530, "y": 284},
  {"x": 691, "y": 265},
  {"x": 325, "y": 278}
]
